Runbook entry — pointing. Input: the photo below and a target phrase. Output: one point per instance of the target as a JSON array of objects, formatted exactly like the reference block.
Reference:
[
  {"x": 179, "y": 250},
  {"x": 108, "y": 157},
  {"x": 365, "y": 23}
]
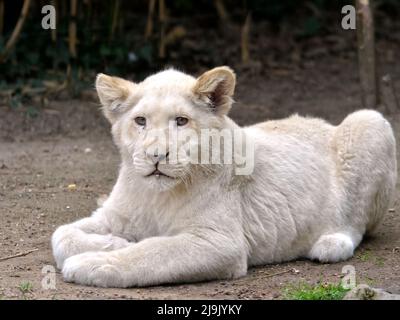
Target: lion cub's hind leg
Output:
[{"x": 332, "y": 247}]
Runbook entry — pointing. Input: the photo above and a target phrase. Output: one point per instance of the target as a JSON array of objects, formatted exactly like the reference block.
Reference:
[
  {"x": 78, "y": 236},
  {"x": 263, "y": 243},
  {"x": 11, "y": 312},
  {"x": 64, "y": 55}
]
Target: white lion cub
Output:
[{"x": 313, "y": 190}]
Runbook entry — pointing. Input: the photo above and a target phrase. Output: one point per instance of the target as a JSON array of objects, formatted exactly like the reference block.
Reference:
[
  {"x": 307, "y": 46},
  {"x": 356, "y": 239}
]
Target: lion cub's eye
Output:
[
  {"x": 181, "y": 121},
  {"x": 141, "y": 121}
]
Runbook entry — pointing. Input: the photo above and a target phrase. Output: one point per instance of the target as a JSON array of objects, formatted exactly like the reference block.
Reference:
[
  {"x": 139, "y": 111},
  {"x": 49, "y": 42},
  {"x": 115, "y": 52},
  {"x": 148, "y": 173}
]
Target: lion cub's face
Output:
[{"x": 154, "y": 123}]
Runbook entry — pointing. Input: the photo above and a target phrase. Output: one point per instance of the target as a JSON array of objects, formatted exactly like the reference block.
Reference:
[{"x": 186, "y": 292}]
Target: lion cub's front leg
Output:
[
  {"x": 88, "y": 234},
  {"x": 181, "y": 258}
]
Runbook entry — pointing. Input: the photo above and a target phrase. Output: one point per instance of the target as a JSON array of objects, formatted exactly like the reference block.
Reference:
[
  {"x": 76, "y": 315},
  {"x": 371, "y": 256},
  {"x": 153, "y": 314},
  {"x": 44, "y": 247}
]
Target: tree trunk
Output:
[{"x": 366, "y": 54}]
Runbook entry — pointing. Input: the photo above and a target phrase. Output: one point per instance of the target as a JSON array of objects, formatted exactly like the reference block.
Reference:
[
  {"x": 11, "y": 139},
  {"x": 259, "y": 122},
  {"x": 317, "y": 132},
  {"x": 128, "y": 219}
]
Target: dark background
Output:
[{"x": 283, "y": 35}]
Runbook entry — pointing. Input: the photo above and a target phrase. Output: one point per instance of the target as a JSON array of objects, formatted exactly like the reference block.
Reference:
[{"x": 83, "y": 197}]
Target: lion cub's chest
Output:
[{"x": 149, "y": 220}]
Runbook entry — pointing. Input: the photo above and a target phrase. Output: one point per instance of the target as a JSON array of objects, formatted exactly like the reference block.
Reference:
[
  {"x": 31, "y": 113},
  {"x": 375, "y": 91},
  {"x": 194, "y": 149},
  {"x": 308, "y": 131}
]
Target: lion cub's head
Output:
[{"x": 154, "y": 121}]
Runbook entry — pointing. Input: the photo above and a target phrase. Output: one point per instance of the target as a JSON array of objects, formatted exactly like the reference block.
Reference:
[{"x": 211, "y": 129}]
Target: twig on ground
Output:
[
  {"x": 21, "y": 254},
  {"x": 295, "y": 271},
  {"x": 279, "y": 273}
]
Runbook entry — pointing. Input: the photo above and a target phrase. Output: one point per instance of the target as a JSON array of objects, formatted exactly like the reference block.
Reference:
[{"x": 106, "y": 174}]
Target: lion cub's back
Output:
[{"x": 304, "y": 128}]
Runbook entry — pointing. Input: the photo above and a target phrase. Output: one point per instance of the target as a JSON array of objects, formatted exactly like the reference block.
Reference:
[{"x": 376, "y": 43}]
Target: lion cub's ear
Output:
[
  {"x": 113, "y": 92},
  {"x": 216, "y": 88}
]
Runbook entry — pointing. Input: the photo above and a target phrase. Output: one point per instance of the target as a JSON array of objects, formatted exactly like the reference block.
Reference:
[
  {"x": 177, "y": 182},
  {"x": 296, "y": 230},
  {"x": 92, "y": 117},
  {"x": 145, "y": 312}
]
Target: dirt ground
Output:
[{"x": 70, "y": 143}]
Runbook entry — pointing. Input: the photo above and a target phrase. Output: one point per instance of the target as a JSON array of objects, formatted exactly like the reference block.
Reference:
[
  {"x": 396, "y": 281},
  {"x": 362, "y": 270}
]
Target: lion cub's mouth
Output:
[{"x": 157, "y": 173}]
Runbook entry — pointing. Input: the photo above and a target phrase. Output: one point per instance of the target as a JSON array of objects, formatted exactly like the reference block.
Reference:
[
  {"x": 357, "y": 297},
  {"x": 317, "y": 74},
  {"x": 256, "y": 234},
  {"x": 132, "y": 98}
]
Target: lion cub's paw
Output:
[
  {"x": 93, "y": 268},
  {"x": 112, "y": 242},
  {"x": 332, "y": 248}
]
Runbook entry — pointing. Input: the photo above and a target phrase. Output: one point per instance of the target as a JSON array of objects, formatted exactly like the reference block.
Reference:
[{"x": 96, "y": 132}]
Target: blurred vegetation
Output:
[
  {"x": 133, "y": 37},
  {"x": 321, "y": 291}
]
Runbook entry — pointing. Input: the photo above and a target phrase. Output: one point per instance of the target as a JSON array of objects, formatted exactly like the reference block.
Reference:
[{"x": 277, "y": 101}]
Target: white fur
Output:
[{"x": 315, "y": 191}]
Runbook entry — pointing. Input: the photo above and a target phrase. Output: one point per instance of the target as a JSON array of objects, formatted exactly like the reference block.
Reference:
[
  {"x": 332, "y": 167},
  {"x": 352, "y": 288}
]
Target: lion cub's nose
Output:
[{"x": 158, "y": 157}]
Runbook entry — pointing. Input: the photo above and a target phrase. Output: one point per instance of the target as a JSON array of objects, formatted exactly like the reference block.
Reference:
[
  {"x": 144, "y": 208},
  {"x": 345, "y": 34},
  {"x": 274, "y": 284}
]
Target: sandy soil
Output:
[{"x": 69, "y": 143}]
